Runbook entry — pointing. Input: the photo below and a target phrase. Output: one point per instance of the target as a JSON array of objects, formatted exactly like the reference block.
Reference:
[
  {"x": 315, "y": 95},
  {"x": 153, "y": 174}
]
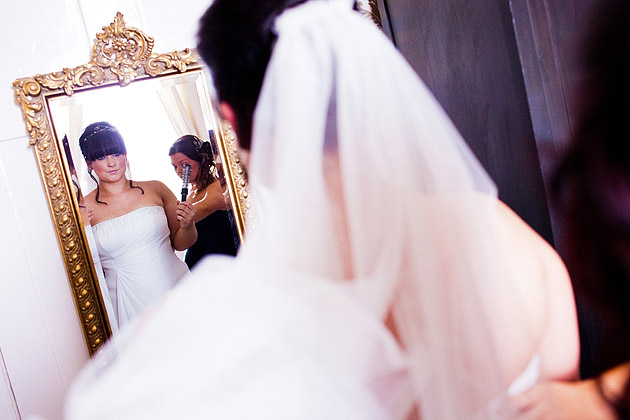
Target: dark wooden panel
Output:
[
  {"x": 466, "y": 53},
  {"x": 548, "y": 34}
]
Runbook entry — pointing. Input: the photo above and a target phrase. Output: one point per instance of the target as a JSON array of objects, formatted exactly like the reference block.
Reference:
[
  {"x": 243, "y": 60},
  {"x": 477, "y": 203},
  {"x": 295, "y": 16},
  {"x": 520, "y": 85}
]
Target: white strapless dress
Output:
[{"x": 138, "y": 260}]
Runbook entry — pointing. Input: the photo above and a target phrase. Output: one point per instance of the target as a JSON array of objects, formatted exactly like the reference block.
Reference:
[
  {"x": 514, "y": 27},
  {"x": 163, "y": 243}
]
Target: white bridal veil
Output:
[{"x": 372, "y": 212}]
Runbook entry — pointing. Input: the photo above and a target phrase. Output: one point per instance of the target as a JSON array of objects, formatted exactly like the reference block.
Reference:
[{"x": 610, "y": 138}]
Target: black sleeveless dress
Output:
[{"x": 214, "y": 236}]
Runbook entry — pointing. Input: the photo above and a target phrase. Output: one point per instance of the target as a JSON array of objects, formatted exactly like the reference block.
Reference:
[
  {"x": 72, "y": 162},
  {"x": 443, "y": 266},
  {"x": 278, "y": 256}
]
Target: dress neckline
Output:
[{"x": 126, "y": 214}]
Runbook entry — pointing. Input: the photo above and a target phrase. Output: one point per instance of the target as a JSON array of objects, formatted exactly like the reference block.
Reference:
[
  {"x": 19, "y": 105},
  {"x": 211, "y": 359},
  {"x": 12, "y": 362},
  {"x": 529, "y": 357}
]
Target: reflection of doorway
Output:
[
  {"x": 548, "y": 35},
  {"x": 481, "y": 61}
]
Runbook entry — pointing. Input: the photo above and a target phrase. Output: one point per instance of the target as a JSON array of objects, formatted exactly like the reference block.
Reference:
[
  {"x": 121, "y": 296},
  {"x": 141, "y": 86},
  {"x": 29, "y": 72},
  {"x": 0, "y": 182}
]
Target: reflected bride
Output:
[{"x": 136, "y": 226}]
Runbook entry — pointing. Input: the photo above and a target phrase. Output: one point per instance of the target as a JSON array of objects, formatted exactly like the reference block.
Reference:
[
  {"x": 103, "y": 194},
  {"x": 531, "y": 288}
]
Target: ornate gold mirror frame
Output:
[
  {"x": 120, "y": 56},
  {"x": 369, "y": 8}
]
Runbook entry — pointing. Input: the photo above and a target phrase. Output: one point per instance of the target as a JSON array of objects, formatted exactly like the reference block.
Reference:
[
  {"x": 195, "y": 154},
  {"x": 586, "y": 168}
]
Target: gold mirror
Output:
[{"x": 153, "y": 99}]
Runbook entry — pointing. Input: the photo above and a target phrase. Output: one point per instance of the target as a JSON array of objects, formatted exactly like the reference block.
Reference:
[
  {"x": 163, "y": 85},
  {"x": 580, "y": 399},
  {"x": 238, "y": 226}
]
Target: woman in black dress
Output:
[{"x": 215, "y": 234}]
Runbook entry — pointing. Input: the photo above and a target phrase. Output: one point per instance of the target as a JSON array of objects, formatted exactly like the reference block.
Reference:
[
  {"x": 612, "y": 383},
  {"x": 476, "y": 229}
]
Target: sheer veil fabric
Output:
[
  {"x": 367, "y": 182},
  {"x": 372, "y": 212}
]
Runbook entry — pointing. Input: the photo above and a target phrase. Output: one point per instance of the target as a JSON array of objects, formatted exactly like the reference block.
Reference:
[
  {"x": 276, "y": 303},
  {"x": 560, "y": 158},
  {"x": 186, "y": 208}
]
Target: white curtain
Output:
[{"x": 182, "y": 103}]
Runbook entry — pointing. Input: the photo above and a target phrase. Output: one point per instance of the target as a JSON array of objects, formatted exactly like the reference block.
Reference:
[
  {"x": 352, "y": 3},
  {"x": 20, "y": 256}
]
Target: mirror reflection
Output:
[
  {"x": 192, "y": 160},
  {"x": 152, "y": 99},
  {"x": 127, "y": 149}
]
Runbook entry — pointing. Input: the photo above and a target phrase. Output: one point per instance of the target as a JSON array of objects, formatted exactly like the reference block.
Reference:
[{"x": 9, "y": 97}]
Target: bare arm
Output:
[
  {"x": 180, "y": 219},
  {"x": 577, "y": 400},
  {"x": 212, "y": 201},
  {"x": 547, "y": 306}
]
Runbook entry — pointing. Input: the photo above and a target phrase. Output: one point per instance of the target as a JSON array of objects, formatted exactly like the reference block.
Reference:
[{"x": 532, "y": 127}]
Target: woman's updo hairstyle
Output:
[{"x": 199, "y": 151}]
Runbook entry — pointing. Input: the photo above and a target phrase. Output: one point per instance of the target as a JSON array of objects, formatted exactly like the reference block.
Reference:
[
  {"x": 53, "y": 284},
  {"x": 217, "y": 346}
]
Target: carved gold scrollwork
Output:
[
  {"x": 179, "y": 60},
  {"x": 122, "y": 50},
  {"x": 27, "y": 95},
  {"x": 119, "y": 47},
  {"x": 120, "y": 55},
  {"x": 370, "y": 9},
  {"x": 236, "y": 174}
]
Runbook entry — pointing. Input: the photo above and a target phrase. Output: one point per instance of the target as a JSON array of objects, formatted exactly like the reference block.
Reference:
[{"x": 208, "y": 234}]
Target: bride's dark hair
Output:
[
  {"x": 235, "y": 40},
  {"x": 98, "y": 140}
]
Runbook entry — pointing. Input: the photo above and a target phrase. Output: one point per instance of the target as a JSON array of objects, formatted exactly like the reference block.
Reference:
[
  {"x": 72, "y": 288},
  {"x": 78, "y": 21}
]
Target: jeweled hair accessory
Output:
[
  {"x": 100, "y": 129},
  {"x": 197, "y": 143}
]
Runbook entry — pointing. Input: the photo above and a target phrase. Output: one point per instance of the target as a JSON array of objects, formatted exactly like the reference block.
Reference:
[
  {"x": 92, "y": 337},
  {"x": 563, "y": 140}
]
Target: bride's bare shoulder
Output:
[{"x": 152, "y": 186}]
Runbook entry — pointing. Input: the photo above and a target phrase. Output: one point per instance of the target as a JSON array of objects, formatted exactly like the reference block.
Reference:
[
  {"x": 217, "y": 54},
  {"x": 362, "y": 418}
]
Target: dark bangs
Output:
[{"x": 103, "y": 143}]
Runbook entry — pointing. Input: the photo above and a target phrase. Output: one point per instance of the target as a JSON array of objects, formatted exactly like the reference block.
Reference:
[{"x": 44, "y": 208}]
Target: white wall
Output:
[{"x": 40, "y": 338}]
